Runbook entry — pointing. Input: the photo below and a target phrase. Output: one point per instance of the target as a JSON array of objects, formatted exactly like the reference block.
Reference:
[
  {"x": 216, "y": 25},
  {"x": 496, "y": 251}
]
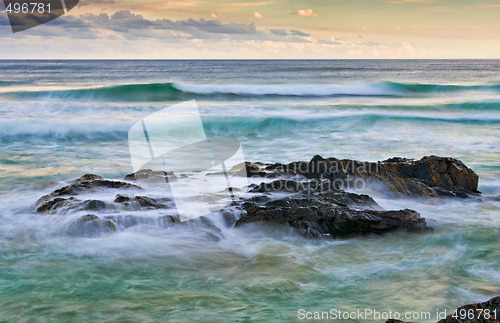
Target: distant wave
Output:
[{"x": 183, "y": 91}]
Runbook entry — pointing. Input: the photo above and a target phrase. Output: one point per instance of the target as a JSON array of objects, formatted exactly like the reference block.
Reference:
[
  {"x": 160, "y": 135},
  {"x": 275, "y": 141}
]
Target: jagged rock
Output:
[
  {"x": 86, "y": 183},
  {"x": 308, "y": 196},
  {"x": 316, "y": 207},
  {"x": 122, "y": 199},
  {"x": 148, "y": 202},
  {"x": 90, "y": 226},
  {"x": 151, "y": 176},
  {"x": 430, "y": 176},
  {"x": 325, "y": 216},
  {"x": 54, "y": 204},
  {"x": 143, "y": 203},
  {"x": 121, "y": 202}
]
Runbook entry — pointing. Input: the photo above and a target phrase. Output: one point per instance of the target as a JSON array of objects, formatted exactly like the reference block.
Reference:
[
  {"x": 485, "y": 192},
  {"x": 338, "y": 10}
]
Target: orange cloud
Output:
[{"x": 306, "y": 12}]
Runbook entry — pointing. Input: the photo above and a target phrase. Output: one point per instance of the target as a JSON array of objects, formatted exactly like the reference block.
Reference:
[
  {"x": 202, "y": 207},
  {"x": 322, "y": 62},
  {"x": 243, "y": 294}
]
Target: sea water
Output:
[{"x": 62, "y": 119}]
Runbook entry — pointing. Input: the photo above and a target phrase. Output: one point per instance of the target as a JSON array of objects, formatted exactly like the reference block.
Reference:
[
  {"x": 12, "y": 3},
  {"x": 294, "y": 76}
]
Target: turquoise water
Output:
[{"x": 60, "y": 120}]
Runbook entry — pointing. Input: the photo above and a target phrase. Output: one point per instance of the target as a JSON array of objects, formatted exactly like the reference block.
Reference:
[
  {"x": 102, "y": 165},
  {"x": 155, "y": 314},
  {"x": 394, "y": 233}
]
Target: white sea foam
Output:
[{"x": 361, "y": 89}]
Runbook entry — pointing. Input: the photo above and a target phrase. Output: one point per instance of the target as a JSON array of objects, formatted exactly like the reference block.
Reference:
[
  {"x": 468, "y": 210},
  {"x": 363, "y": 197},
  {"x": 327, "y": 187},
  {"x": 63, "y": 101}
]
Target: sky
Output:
[{"x": 262, "y": 29}]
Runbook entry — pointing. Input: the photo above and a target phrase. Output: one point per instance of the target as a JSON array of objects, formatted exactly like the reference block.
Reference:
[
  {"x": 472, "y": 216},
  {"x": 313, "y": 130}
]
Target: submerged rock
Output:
[{"x": 90, "y": 225}]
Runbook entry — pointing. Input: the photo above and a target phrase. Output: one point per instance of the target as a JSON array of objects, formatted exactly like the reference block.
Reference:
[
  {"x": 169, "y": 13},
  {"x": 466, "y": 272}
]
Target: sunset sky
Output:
[{"x": 286, "y": 29}]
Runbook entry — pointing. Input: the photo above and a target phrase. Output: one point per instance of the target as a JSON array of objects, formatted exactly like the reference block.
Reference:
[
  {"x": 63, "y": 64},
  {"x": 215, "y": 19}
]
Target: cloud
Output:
[
  {"x": 125, "y": 21},
  {"x": 296, "y": 32},
  {"x": 258, "y": 15},
  {"x": 306, "y": 12},
  {"x": 329, "y": 42},
  {"x": 129, "y": 26},
  {"x": 279, "y": 32},
  {"x": 213, "y": 15}
]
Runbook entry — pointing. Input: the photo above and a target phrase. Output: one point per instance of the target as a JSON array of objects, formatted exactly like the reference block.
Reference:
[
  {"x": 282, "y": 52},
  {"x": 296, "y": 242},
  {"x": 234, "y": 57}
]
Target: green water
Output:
[
  {"x": 107, "y": 281},
  {"x": 53, "y": 129}
]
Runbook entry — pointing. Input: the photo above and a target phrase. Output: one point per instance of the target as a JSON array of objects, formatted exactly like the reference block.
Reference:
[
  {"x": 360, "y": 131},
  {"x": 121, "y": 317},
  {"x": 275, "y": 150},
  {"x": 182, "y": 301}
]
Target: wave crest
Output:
[{"x": 176, "y": 91}]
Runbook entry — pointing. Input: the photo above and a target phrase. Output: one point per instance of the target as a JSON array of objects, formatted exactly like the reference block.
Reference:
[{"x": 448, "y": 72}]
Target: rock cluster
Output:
[{"x": 310, "y": 197}]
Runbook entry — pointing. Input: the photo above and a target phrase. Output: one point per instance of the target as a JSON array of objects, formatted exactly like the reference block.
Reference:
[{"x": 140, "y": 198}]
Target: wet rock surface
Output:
[
  {"x": 150, "y": 176},
  {"x": 318, "y": 210},
  {"x": 430, "y": 176},
  {"x": 316, "y": 218},
  {"x": 309, "y": 197},
  {"x": 90, "y": 225},
  {"x": 87, "y": 184}
]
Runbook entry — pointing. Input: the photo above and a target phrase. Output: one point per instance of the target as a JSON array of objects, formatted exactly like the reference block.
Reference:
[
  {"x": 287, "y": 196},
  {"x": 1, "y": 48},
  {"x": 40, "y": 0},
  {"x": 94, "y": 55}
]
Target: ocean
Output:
[{"x": 62, "y": 119}]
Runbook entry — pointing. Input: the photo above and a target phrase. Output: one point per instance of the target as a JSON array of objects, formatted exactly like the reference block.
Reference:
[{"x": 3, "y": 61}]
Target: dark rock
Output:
[
  {"x": 148, "y": 202},
  {"x": 151, "y": 176},
  {"x": 124, "y": 203},
  {"x": 90, "y": 226},
  {"x": 122, "y": 199},
  {"x": 430, "y": 176},
  {"x": 90, "y": 177},
  {"x": 52, "y": 205},
  {"x": 324, "y": 216},
  {"x": 93, "y": 205},
  {"x": 86, "y": 183},
  {"x": 309, "y": 197}
]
